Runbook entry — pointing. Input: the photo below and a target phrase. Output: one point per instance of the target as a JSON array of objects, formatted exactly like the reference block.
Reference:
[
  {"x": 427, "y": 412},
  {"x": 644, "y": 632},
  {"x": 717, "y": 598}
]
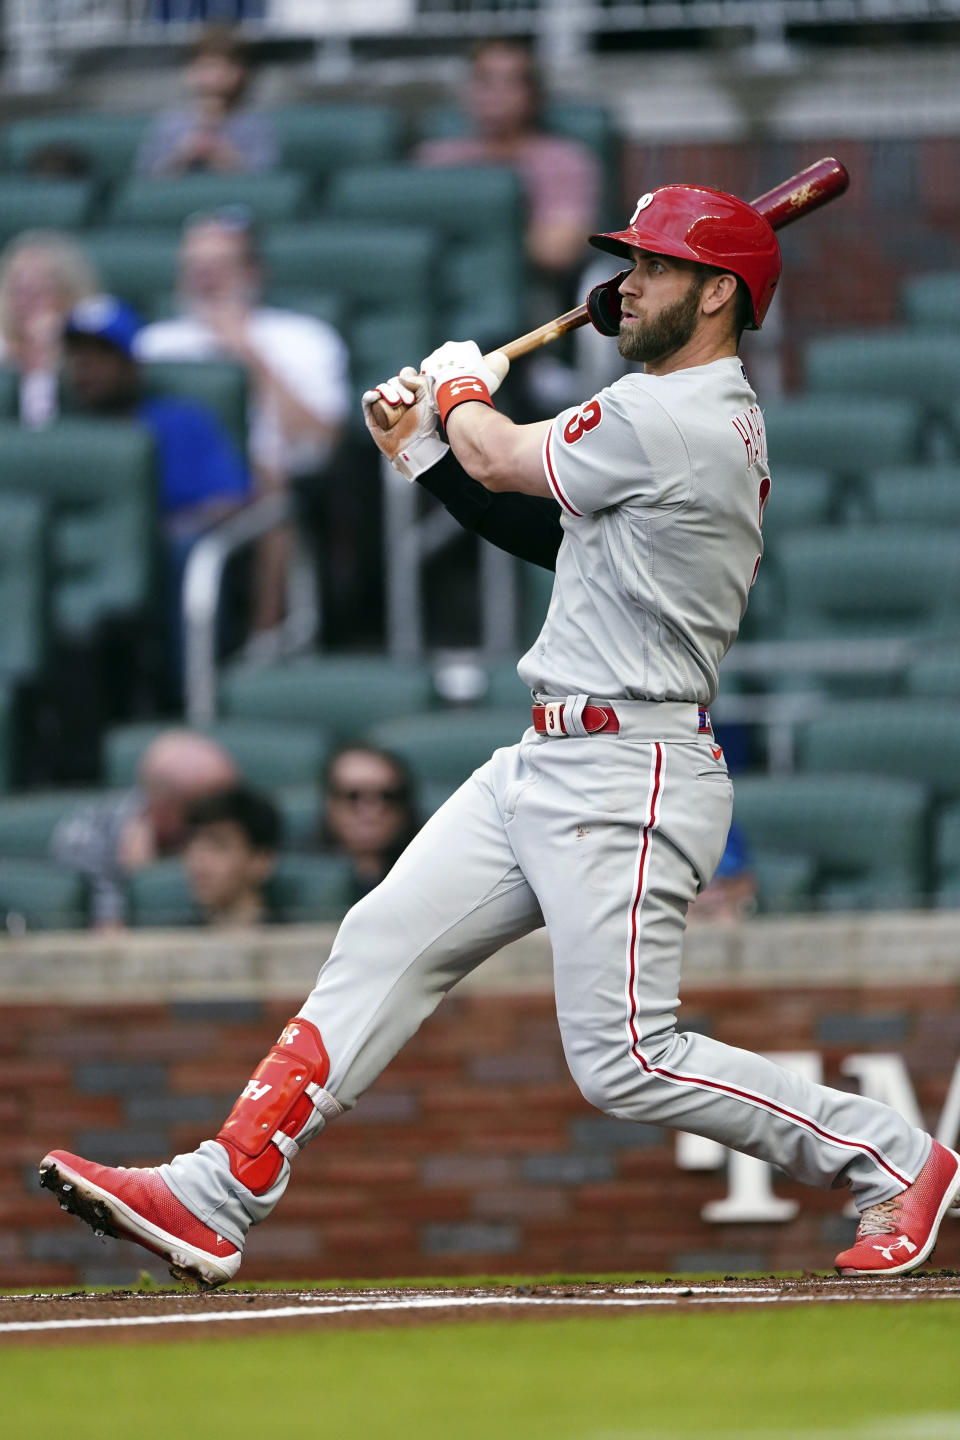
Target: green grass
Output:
[{"x": 861, "y": 1372}]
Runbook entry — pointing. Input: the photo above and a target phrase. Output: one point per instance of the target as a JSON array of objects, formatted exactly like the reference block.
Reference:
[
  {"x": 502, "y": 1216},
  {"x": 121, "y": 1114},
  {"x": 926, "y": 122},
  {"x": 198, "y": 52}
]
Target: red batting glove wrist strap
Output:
[{"x": 451, "y": 393}]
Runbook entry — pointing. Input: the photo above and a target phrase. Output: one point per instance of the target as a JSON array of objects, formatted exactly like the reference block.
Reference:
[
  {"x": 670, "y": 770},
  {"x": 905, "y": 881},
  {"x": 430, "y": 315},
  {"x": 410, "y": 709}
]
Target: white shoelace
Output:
[{"x": 880, "y": 1219}]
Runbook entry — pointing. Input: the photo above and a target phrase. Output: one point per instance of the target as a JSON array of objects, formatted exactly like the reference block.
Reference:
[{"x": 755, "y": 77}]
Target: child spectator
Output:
[{"x": 230, "y": 856}]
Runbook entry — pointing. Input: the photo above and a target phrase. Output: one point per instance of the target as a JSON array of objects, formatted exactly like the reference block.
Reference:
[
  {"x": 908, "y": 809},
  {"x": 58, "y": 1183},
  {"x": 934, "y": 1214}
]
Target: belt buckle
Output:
[{"x": 553, "y": 718}]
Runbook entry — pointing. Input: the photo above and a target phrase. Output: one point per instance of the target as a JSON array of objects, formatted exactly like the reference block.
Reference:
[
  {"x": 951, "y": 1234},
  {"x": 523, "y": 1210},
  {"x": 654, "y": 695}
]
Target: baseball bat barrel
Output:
[{"x": 802, "y": 193}]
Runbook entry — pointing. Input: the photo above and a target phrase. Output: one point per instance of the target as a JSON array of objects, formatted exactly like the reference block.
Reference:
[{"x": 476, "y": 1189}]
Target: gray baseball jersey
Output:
[
  {"x": 605, "y": 837},
  {"x": 661, "y": 482}
]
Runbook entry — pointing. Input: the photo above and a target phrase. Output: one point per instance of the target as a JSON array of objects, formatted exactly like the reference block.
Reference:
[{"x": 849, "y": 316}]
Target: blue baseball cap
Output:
[{"x": 104, "y": 317}]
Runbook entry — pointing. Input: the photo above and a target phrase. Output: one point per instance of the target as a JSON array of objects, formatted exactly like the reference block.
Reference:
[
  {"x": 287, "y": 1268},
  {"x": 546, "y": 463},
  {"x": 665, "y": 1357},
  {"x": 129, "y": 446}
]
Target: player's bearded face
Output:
[{"x": 649, "y": 338}]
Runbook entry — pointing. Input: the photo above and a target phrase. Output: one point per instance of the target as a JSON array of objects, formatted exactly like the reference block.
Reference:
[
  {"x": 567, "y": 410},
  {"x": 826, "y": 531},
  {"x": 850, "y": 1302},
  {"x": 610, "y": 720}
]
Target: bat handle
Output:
[{"x": 386, "y": 416}]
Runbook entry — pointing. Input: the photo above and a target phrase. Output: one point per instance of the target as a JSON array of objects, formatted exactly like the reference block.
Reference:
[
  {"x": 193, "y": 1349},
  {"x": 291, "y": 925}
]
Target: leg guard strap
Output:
[{"x": 284, "y": 1093}]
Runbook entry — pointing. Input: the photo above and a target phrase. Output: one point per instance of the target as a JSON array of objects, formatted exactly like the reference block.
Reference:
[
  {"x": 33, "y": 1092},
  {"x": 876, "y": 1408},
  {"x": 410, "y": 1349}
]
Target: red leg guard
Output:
[{"x": 275, "y": 1105}]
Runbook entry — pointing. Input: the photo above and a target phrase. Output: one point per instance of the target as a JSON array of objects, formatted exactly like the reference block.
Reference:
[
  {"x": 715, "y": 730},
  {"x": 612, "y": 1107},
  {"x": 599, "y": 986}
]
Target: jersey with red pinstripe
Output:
[{"x": 661, "y": 481}]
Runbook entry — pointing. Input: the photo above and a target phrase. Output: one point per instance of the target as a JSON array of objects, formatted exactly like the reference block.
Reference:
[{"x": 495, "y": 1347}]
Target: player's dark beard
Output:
[{"x": 646, "y": 340}]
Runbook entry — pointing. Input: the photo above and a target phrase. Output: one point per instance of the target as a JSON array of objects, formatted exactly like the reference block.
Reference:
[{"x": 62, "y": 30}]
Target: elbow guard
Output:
[{"x": 283, "y": 1095}]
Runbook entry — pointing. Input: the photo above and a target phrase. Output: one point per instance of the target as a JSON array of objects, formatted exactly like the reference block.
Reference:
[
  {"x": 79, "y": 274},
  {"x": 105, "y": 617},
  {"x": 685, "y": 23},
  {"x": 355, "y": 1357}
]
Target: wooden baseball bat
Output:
[{"x": 799, "y": 195}]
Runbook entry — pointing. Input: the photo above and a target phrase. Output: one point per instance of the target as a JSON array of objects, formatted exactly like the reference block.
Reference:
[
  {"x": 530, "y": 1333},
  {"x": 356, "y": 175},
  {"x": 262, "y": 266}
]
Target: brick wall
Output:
[{"x": 473, "y": 1153}]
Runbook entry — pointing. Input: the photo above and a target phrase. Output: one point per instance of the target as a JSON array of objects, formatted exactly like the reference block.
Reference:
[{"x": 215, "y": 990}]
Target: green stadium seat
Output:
[
  {"x": 785, "y": 883},
  {"x": 24, "y": 584},
  {"x": 138, "y": 265},
  {"x": 299, "y": 807},
  {"x": 110, "y": 140},
  {"x": 936, "y": 673},
  {"x": 869, "y": 580},
  {"x": 268, "y": 753},
  {"x": 380, "y": 345},
  {"x": 915, "y": 495},
  {"x": 7, "y": 737},
  {"x": 900, "y": 364},
  {"x": 536, "y": 588},
  {"x": 27, "y": 822},
  {"x": 343, "y": 694},
  {"x": 478, "y": 213},
  {"x": 906, "y": 739},
  {"x": 220, "y": 385},
  {"x": 505, "y": 689},
  {"x": 800, "y": 499},
  {"x": 932, "y": 302},
  {"x": 866, "y": 834},
  {"x": 9, "y": 394},
  {"x": 39, "y": 895},
  {"x": 947, "y": 856},
  {"x": 29, "y": 202},
  {"x": 304, "y": 889},
  {"x": 346, "y": 256},
  {"x": 842, "y": 434},
  {"x": 272, "y": 197},
  {"x": 447, "y": 747},
  {"x": 318, "y": 139},
  {"x": 97, "y": 477}
]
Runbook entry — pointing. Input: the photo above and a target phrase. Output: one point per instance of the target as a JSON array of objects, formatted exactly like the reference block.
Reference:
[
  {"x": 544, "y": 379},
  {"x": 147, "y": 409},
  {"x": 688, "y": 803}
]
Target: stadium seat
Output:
[
  {"x": 110, "y": 140},
  {"x": 901, "y": 364},
  {"x": 447, "y": 747},
  {"x": 536, "y": 588},
  {"x": 866, "y": 834},
  {"x": 346, "y": 255},
  {"x": 220, "y": 385},
  {"x": 505, "y": 689},
  {"x": 271, "y": 197},
  {"x": 97, "y": 478},
  {"x": 299, "y": 807},
  {"x": 936, "y": 672},
  {"x": 138, "y": 265},
  {"x": 932, "y": 302},
  {"x": 268, "y": 753},
  {"x": 304, "y": 889},
  {"x": 343, "y": 694},
  {"x": 27, "y": 822},
  {"x": 947, "y": 856},
  {"x": 869, "y": 580},
  {"x": 907, "y": 739},
  {"x": 914, "y": 495},
  {"x": 24, "y": 582},
  {"x": 842, "y": 434},
  {"x": 382, "y": 344},
  {"x": 799, "y": 499},
  {"x": 29, "y": 202},
  {"x": 318, "y": 139},
  {"x": 478, "y": 212},
  {"x": 785, "y": 883},
  {"x": 39, "y": 895}
]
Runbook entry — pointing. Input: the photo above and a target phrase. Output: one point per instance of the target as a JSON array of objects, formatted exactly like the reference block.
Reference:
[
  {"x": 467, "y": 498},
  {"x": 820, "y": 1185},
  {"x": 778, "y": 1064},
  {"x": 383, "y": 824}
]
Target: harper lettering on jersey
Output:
[{"x": 749, "y": 426}]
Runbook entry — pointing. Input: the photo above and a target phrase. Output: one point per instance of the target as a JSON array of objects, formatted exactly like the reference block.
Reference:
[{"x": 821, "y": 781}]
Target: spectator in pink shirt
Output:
[{"x": 561, "y": 177}]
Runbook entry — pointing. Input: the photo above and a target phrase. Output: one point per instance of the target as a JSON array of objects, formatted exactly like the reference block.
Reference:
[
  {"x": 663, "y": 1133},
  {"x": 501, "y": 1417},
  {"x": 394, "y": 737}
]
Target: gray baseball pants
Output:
[{"x": 606, "y": 839}]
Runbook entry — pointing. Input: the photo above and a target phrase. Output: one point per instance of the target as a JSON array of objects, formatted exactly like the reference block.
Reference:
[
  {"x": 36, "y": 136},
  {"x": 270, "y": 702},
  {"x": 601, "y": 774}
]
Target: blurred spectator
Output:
[
  {"x": 297, "y": 367},
  {"x": 370, "y": 812},
  {"x": 560, "y": 176},
  {"x": 732, "y": 893},
  {"x": 231, "y": 854},
  {"x": 108, "y": 840},
  {"x": 202, "y": 476},
  {"x": 212, "y": 131},
  {"x": 42, "y": 276}
]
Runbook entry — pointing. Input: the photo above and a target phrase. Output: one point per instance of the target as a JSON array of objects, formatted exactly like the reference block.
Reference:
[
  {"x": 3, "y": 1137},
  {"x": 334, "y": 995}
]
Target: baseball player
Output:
[{"x": 611, "y": 812}]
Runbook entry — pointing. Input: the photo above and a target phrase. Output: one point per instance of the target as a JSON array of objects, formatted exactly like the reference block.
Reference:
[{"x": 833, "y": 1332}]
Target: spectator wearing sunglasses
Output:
[{"x": 370, "y": 812}]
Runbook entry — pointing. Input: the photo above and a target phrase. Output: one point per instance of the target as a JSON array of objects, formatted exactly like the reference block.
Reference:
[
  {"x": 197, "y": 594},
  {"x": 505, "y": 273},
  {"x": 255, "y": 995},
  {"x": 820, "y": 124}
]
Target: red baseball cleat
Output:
[
  {"x": 899, "y": 1234},
  {"x": 137, "y": 1205}
]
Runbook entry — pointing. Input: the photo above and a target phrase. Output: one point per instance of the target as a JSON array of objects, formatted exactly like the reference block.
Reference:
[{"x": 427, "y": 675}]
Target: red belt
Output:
[{"x": 548, "y": 719}]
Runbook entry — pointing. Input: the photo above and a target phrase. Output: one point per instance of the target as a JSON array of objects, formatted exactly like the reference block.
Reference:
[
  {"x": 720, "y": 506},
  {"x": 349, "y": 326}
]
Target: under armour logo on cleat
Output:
[{"x": 901, "y": 1243}]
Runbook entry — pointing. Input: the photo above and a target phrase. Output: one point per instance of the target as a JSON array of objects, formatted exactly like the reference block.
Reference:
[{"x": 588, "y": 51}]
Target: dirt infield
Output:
[{"x": 130, "y": 1315}]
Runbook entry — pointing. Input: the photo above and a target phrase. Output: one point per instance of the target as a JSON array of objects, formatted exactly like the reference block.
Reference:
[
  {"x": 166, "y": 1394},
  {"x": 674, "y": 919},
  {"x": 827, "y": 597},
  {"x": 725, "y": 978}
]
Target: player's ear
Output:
[{"x": 719, "y": 290}]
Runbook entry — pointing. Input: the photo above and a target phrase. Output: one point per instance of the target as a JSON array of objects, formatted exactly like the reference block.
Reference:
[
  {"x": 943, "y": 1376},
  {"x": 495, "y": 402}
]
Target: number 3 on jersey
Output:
[{"x": 588, "y": 417}]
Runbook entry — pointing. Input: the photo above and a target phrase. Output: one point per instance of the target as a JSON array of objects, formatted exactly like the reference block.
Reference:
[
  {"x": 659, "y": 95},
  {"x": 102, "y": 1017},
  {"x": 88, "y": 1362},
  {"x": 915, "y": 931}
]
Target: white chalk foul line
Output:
[{"x": 449, "y": 1302}]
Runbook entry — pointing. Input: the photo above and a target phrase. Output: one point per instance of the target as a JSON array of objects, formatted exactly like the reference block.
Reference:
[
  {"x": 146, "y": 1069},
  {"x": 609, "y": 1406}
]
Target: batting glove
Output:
[
  {"x": 413, "y": 444},
  {"x": 459, "y": 372}
]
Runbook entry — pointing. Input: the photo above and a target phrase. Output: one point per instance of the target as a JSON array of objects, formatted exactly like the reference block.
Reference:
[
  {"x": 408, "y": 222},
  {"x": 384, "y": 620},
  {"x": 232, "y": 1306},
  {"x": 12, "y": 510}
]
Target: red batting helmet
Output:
[{"x": 693, "y": 222}]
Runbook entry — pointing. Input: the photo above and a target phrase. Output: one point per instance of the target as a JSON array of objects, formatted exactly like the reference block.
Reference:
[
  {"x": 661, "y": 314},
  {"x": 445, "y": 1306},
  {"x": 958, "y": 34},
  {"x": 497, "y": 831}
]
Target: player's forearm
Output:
[{"x": 495, "y": 452}]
